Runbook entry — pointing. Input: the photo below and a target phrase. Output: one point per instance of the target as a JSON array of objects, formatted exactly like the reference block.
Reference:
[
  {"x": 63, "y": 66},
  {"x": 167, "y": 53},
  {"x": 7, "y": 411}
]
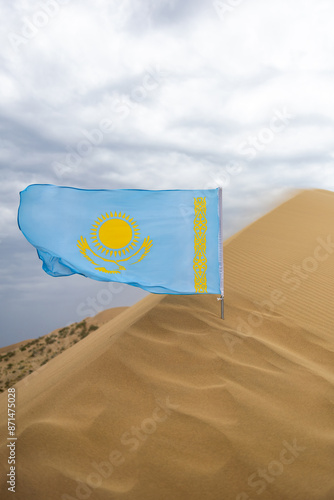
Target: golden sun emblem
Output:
[{"x": 115, "y": 235}]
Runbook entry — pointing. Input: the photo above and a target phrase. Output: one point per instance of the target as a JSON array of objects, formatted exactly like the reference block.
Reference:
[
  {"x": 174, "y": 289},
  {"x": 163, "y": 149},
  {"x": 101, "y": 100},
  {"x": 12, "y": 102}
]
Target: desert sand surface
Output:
[{"x": 168, "y": 402}]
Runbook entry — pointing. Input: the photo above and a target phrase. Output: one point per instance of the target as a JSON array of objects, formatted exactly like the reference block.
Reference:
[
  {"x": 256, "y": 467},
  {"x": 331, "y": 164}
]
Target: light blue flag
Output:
[{"x": 162, "y": 241}]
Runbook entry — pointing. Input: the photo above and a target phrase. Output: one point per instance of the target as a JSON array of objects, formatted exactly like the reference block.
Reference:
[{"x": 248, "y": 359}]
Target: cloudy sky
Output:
[{"x": 155, "y": 94}]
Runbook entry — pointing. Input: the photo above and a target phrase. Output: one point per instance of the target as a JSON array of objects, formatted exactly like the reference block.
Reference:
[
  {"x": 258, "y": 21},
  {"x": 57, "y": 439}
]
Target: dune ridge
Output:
[{"x": 168, "y": 402}]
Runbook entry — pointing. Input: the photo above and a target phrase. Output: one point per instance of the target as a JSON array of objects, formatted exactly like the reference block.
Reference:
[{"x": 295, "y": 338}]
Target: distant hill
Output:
[{"x": 19, "y": 360}]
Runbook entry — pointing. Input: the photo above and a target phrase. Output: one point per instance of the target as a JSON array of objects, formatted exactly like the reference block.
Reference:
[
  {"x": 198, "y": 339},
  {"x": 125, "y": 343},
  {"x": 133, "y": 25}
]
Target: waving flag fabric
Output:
[{"x": 161, "y": 241}]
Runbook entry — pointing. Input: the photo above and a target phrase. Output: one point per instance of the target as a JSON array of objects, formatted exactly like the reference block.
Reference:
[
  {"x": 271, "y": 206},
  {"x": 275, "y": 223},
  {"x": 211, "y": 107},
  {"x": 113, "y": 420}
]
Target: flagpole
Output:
[{"x": 221, "y": 259}]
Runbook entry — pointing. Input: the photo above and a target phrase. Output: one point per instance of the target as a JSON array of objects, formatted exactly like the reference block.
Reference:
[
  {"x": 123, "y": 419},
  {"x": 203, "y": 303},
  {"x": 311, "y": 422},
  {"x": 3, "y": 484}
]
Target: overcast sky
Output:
[{"x": 155, "y": 94}]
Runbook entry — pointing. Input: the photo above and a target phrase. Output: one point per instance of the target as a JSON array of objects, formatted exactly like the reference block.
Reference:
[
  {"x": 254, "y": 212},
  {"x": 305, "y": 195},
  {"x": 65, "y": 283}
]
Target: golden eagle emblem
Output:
[{"x": 114, "y": 237}]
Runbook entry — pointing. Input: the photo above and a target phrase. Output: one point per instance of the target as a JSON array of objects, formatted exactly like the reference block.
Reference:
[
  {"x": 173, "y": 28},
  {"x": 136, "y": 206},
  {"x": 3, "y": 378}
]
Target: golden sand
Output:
[{"x": 168, "y": 402}]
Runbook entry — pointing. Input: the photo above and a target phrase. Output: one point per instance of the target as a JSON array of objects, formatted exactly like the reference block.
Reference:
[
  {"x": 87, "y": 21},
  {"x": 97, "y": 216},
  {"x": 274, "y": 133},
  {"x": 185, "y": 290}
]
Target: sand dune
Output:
[{"x": 168, "y": 402}]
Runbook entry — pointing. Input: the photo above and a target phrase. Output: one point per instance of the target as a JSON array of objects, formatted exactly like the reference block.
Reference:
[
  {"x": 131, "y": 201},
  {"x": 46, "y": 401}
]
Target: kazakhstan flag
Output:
[{"x": 162, "y": 241}]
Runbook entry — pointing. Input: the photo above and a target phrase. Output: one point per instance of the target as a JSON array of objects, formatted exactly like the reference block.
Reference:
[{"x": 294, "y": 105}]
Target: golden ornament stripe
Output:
[{"x": 200, "y": 260}]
